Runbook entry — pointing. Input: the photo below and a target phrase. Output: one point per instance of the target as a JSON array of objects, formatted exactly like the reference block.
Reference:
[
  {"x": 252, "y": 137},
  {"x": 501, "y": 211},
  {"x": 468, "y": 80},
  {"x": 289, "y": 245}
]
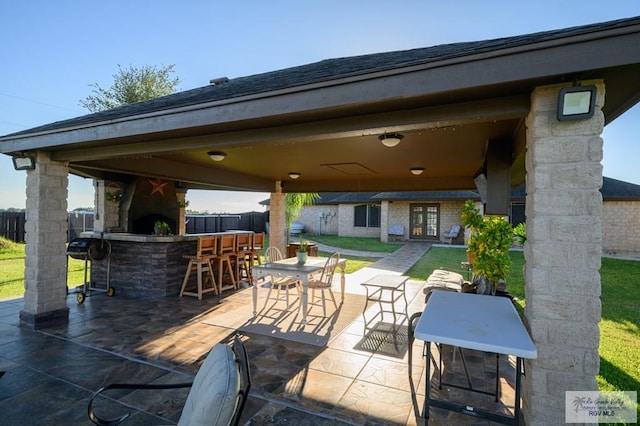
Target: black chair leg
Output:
[{"x": 413, "y": 320}]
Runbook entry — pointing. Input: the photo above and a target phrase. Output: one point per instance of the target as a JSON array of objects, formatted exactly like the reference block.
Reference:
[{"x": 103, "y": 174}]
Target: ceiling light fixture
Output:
[
  {"x": 417, "y": 170},
  {"x": 294, "y": 175},
  {"x": 390, "y": 139},
  {"x": 217, "y": 155}
]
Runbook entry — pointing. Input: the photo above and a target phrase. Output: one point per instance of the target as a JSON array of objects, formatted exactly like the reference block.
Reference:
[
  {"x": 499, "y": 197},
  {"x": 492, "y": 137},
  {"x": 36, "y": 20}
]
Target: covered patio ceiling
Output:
[{"x": 323, "y": 120}]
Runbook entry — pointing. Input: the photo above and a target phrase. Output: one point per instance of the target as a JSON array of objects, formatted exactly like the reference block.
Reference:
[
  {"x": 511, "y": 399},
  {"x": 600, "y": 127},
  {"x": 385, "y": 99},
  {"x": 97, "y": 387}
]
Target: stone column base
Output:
[{"x": 45, "y": 319}]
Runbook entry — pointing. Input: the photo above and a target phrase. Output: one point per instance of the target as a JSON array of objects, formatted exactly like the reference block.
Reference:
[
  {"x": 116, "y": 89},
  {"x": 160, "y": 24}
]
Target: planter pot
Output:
[
  {"x": 469, "y": 257},
  {"x": 160, "y": 231},
  {"x": 302, "y": 257}
]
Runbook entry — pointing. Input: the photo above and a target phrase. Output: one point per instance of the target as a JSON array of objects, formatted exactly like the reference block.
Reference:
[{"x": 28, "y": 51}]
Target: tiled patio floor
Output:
[{"x": 51, "y": 373}]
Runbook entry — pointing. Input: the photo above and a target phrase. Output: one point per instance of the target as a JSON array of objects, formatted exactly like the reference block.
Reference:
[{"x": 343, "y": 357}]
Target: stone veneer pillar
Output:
[
  {"x": 562, "y": 253},
  {"x": 46, "y": 236},
  {"x": 277, "y": 233},
  {"x": 106, "y": 211},
  {"x": 181, "y": 196},
  {"x": 384, "y": 222}
]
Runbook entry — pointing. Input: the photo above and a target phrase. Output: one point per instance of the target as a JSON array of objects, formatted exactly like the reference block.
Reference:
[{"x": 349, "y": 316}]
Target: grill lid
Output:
[{"x": 94, "y": 248}]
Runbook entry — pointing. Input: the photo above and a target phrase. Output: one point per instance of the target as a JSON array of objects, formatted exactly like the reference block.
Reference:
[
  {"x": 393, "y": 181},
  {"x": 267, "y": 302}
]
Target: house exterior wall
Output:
[
  {"x": 450, "y": 212},
  {"x": 620, "y": 222},
  {"x": 621, "y": 228},
  {"x": 398, "y": 214},
  {"x": 309, "y": 217},
  {"x": 345, "y": 220}
]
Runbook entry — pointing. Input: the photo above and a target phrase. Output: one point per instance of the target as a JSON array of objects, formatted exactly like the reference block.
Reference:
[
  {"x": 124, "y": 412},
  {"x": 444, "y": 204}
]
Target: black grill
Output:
[{"x": 92, "y": 248}]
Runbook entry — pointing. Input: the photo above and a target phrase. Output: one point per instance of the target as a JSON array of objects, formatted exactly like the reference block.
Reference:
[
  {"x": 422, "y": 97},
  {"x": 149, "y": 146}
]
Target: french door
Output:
[{"x": 424, "y": 221}]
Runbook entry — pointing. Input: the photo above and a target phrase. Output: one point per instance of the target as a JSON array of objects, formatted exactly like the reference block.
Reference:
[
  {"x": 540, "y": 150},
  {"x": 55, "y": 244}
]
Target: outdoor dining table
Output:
[
  {"x": 301, "y": 272},
  {"x": 473, "y": 321}
]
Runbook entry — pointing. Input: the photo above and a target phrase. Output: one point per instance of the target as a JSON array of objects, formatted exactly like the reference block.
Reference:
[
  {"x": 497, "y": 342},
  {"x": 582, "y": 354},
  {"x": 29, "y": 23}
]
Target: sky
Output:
[{"x": 52, "y": 51}]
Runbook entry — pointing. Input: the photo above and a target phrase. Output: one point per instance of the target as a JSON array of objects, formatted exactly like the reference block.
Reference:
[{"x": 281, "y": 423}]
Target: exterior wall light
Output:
[
  {"x": 217, "y": 155},
  {"x": 417, "y": 170},
  {"x": 576, "y": 103},
  {"x": 390, "y": 139},
  {"x": 294, "y": 175},
  {"x": 24, "y": 162}
]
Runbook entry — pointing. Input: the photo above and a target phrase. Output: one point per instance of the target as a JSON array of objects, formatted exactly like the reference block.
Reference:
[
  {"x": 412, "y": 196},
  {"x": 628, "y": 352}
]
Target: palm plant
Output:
[{"x": 293, "y": 203}]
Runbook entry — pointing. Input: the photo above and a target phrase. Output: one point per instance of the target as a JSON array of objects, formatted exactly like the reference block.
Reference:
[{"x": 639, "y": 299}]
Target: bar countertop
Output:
[{"x": 144, "y": 238}]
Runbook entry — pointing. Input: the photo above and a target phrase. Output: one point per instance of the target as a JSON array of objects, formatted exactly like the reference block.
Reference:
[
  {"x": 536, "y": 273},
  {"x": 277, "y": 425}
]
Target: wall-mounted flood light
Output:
[
  {"x": 24, "y": 162},
  {"x": 576, "y": 103}
]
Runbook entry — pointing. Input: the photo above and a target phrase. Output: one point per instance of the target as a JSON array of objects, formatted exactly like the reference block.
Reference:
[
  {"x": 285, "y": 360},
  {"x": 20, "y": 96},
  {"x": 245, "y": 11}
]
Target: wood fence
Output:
[{"x": 12, "y": 223}]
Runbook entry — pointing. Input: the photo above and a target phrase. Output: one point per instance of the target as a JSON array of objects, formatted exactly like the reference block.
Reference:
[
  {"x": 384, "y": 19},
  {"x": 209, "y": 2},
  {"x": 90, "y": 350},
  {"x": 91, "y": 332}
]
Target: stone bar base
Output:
[
  {"x": 144, "y": 269},
  {"x": 45, "y": 319}
]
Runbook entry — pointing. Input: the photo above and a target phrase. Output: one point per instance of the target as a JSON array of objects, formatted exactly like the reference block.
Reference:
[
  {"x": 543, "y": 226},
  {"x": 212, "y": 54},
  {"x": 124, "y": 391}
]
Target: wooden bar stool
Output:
[
  {"x": 257, "y": 245},
  {"x": 201, "y": 264},
  {"x": 226, "y": 250},
  {"x": 242, "y": 258}
]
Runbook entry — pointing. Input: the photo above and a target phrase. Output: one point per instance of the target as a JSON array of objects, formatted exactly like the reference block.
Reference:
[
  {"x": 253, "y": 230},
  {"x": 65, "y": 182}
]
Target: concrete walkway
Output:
[{"x": 396, "y": 263}]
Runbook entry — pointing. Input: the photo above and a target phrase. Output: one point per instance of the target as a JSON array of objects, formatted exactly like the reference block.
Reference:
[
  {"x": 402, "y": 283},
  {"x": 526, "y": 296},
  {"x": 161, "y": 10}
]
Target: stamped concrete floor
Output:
[{"x": 356, "y": 378}]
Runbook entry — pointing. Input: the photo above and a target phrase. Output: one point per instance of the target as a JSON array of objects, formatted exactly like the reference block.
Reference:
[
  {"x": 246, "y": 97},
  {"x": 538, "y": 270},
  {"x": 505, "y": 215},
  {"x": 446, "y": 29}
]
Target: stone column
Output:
[
  {"x": 181, "y": 195},
  {"x": 277, "y": 236},
  {"x": 384, "y": 222},
  {"x": 46, "y": 236},
  {"x": 107, "y": 206},
  {"x": 562, "y": 253}
]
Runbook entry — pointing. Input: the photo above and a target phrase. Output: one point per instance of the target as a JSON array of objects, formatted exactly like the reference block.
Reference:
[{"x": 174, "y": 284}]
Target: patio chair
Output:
[
  {"x": 218, "y": 392},
  {"x": 273, "y": 254},
  {"x": 453, "y": 233},
  {"x": 324, "y": 282}
]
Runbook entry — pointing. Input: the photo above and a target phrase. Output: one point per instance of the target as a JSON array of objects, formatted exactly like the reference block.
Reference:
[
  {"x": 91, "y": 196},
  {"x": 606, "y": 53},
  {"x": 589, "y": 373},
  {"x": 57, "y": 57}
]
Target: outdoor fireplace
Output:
[
  {"x": 146, "y": 201},
  {"x": 145, "y": 224}
]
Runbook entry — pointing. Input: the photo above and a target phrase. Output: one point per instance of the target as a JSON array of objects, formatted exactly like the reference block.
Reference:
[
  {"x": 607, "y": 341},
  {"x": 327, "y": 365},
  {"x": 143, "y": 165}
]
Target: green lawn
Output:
[
  {"x": 12, "y": 266},
  {"x": 619, "y": 328}
]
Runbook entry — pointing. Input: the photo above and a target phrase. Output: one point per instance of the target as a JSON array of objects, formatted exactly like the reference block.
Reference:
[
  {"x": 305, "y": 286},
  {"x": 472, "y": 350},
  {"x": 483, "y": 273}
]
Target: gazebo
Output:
[{"x": 490, "y": 114}]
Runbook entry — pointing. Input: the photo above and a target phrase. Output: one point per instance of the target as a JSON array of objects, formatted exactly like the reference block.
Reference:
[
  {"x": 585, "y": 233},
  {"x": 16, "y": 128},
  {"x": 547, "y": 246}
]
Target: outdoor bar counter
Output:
[{"x": 144, "y": 266}]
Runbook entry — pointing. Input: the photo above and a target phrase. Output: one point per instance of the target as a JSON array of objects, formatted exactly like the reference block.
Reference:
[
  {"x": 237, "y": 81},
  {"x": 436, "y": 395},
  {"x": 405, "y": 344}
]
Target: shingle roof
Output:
[
  {"x": 612, "y": 190},
  {"x": 325, "y": 70},
  {"x": 427, "y": 195}
]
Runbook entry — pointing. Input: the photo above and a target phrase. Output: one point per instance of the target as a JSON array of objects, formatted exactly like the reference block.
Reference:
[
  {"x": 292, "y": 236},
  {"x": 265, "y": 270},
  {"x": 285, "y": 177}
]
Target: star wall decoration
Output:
[{"x": 158, "y": 186}]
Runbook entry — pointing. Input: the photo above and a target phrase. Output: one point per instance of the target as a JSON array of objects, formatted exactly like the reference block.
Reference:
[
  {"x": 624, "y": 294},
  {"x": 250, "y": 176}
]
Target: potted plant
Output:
[
  {"x": 302, "y": 251},
  {"x": 161, "y": 228},
  {"x": 490, "y": 239},
  {"x": 520, "y": 234}
]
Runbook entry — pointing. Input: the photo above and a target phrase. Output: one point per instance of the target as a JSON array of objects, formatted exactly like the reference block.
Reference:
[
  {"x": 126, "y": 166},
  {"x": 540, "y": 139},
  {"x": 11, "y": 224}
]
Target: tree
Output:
[{"x": 132, "y": 85}]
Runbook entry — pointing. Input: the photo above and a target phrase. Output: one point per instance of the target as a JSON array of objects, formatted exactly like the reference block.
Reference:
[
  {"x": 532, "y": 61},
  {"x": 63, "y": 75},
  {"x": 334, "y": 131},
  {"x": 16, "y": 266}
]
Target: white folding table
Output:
[{"x": 473, "y": 321}]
